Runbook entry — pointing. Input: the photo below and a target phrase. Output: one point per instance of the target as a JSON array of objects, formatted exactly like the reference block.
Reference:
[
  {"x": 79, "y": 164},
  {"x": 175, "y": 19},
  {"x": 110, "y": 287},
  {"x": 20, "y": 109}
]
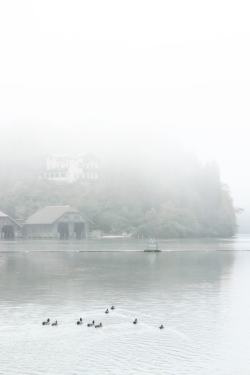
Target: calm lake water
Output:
[{"x": 198, "y": 289}]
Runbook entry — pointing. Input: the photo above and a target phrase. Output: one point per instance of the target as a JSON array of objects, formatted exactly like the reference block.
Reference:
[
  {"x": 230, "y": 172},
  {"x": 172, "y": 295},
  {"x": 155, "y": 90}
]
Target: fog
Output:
[{"x": 131, "y": 79}]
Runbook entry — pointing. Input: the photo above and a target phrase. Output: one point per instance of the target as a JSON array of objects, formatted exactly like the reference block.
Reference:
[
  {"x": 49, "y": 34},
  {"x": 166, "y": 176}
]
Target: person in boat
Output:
[
  {"x": 112, "y": 307},
  {"x": 161, "y": 326},
  {"x": 98, "y": 325},
  {"x": 91, "y": 324},
  {"x": 135, "y": 321},
  {"x": 47, "y": 322},
  {"x": 106, "y": 311},
  {"x": 55, "y": 323}
]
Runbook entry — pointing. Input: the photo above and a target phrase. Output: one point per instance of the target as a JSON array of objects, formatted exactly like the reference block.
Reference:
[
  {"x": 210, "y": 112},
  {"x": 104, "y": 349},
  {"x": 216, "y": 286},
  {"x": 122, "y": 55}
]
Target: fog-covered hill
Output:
[{"x": 153, "y": 198}]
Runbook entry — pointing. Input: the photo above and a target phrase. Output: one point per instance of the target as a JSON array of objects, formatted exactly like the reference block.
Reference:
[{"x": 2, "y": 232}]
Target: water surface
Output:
[
  {"x": 200, "y": 296},
  {"x": 241, "y": 243}
]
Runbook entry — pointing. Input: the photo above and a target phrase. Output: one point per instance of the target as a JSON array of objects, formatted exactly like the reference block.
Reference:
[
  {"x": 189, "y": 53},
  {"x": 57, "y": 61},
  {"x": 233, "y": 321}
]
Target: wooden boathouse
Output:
[
  {"x": 61, "y": 222},
  {"x": 9, "y": 227}
]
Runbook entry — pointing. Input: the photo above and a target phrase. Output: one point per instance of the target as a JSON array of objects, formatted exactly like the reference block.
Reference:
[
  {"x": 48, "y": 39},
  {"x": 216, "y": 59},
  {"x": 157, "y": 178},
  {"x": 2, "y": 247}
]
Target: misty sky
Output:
[{"x": 80, "y": 76}]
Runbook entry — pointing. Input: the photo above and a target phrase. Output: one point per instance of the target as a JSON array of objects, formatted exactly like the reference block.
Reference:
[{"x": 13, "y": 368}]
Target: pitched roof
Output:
[
  {"x": 2, "y": 214},
  {"x": 49, "y": 214}
]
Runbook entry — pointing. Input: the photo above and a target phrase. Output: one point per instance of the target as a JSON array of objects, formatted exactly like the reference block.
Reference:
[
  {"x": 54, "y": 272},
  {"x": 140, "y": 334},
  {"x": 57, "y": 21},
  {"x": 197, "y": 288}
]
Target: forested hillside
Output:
[{"x": 160, "y": 200}]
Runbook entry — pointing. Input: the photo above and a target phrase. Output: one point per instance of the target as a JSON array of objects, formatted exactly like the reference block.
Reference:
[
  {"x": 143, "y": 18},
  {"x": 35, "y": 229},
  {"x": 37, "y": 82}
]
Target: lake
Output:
[{"x": 197, "y": 288}]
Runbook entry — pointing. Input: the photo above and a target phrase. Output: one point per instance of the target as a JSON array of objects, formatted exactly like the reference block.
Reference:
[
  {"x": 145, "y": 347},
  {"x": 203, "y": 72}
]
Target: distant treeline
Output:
[{"x": 183, "y": 199}]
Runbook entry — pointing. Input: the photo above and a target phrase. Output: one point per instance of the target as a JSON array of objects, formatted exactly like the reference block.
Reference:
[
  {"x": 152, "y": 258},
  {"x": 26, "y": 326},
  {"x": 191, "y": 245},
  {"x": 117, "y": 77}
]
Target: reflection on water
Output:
[{"x": 201, "y": 298}]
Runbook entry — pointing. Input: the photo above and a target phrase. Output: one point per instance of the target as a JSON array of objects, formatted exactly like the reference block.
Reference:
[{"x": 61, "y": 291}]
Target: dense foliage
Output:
[{"x": 186, "y": 200}]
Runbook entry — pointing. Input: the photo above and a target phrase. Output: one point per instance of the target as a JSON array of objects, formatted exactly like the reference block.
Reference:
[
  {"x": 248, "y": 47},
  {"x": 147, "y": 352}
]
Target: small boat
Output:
[{"x": 152, "y": 247}]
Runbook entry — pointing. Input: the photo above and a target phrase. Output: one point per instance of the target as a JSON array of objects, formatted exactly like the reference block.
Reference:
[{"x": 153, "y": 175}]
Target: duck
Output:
[
  {"x": 112, "y": 307},
  {"x": 106, "y": 311},
  {"x": 55, "y": 323},
  {"x": 135, "y": 321},
  {"x": 79, "y": 321},
  {"x": 91, "y": 324},
  {"x": 46, "y": 322},
  {"x": 98, "y": 325},
  {"x": 161, "y": 326}
]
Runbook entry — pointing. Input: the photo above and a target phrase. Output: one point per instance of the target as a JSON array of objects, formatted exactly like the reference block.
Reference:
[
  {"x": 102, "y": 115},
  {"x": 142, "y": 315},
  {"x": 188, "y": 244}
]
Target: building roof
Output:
[
  {"x": 49, "y": 214},
  {"x": 2, "y": 215}
]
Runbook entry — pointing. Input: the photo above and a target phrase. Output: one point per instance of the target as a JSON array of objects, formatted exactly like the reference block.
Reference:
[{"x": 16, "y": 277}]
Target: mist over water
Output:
[
  {"x": 157, "y": 95},
  {"x": 198, "y": 296}
]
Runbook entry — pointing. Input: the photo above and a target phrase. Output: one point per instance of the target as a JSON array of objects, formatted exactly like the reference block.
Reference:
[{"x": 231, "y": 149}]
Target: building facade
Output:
[
  {"x": 59, "y": 222},
  {"x": 9, "y": 228},
  {"x": 84, "y": 168}
]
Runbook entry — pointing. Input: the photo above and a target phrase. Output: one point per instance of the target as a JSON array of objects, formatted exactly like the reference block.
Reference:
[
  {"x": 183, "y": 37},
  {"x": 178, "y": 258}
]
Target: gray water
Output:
[{"x": 201, "y": 297}]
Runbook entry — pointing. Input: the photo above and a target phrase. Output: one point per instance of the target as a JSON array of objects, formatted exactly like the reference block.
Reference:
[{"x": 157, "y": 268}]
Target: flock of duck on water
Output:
[{"x": 92, "y": 324}]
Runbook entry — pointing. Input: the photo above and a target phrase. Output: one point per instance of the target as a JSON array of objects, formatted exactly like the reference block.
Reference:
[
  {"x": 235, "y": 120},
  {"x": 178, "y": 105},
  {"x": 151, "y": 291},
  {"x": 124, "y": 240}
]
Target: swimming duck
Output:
[
  {"x": 91, "y": 324},
  {"x": 107, "y": 311},
  {"x": 46, "y": 322},
  {"x": 135, "y": 321},
  {"x": 112, "y": 307},
  {"x": 161, "y": 326},
  {"x": 55, "y": 323},
  {"x": 79, "y": 321},
  {"x": 98, "y": 325}
]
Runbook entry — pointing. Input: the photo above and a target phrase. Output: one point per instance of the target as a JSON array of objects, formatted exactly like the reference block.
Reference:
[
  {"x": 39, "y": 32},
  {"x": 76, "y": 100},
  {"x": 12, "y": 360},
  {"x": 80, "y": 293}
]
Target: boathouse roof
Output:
[
  {"x": 4, "y": 215},
  {"x": 49, "y": 214}
]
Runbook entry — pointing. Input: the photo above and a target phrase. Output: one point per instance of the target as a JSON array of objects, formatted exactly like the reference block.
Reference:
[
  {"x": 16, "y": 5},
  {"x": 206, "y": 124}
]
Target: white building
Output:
[{"x": 60, "y": 168}]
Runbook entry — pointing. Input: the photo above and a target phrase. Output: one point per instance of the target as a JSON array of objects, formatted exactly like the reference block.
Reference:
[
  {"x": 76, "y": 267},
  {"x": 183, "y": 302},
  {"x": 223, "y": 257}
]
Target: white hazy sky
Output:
[{"x": 86, "y": 75}]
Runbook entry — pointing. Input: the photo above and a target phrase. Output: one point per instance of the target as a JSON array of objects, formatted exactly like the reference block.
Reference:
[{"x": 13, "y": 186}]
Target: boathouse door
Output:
[
  {"x": 79, "y": 229},
  {"x": 63, "y": 230},
  {"x": 8, "y": 232}
]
